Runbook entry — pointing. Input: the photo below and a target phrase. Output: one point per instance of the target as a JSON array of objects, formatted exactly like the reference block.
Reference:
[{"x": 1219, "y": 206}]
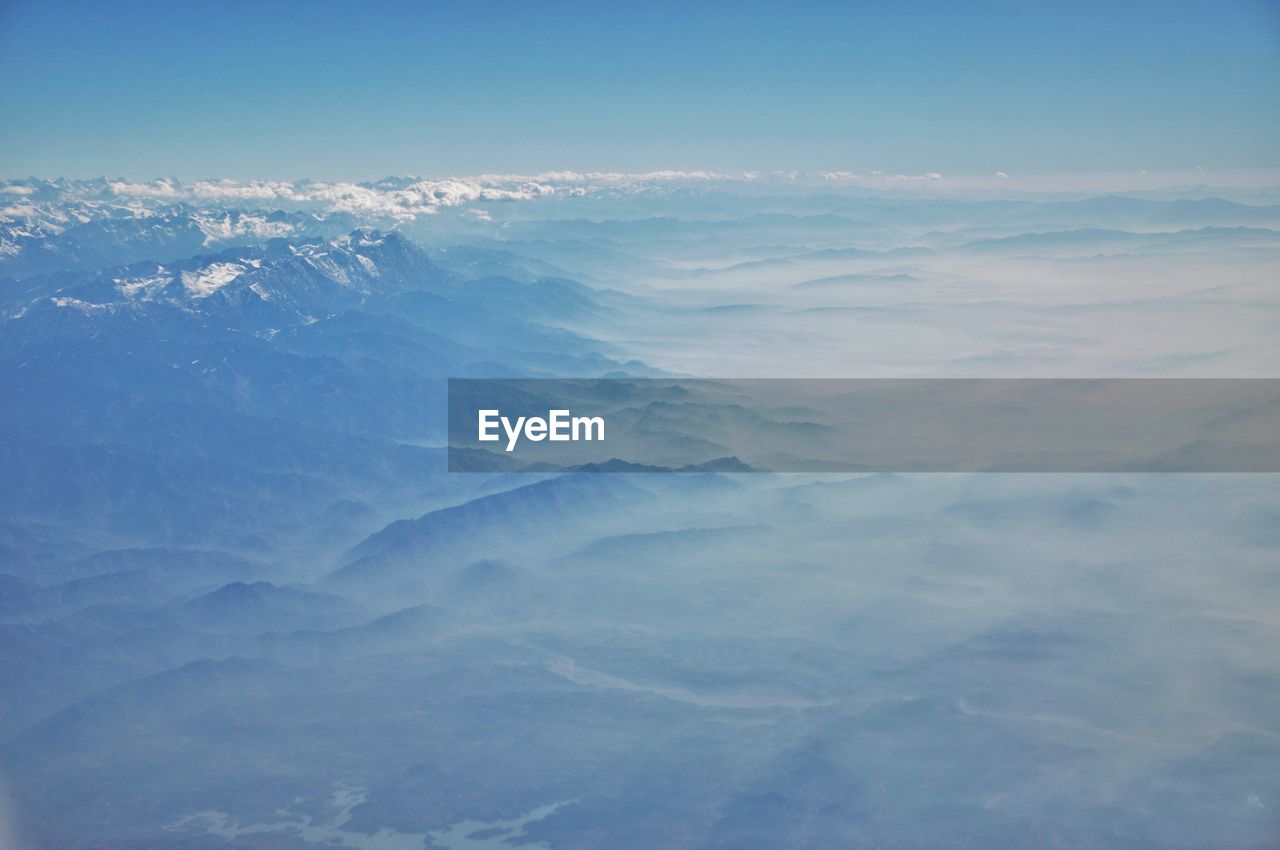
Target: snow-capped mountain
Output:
[
  {"x": 50, "y": 237},
  {"x": 253, "y": 369}
]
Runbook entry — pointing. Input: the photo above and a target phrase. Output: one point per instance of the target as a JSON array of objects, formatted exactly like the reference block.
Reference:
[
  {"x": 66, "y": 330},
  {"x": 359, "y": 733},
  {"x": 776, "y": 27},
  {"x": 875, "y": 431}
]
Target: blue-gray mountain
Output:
[{"x": 242, "y": 604}]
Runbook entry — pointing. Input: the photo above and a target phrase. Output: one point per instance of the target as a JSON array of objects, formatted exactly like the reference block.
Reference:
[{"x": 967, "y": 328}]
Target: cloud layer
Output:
[{"x": 406, "y": 198}]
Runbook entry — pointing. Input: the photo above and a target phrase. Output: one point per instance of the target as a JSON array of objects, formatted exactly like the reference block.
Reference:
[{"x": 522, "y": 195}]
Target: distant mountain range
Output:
[
  {"x": 180, "y": 399},
  {"x": 242, "y": 603}
]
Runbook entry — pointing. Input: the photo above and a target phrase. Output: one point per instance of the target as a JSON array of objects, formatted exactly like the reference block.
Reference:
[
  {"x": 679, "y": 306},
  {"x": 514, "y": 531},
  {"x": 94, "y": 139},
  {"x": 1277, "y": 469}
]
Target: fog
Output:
[{"x": 244, "y": 605}]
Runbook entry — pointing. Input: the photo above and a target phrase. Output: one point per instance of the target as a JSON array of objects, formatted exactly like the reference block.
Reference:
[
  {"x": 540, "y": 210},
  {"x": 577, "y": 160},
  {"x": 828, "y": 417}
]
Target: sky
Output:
[{"x": 342, "y": 90}]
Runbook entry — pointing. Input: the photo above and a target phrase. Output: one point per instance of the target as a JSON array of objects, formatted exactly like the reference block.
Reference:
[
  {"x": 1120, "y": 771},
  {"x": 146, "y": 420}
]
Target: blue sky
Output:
[{"x": 361, "y": 90}]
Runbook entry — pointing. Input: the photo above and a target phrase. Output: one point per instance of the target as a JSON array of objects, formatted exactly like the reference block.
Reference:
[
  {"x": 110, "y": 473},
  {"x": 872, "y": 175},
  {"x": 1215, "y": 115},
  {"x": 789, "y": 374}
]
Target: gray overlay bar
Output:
[{"x": 864, "y": 425}]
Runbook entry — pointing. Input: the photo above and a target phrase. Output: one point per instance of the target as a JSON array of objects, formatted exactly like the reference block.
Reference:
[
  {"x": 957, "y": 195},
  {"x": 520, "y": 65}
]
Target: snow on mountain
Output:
[
  {"x": 229, "y": 225},
  {"x": 391, "y": 199},
  {"x": 210, "y": 279}
]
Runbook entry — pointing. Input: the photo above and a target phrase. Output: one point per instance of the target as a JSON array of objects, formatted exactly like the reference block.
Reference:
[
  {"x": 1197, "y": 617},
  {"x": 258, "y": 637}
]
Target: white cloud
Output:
[
  {"x": 404, "y": 199},
  {"x": 253, "y": 190},
  {"x": 420, "y": 197},
  {"x": 155, "y": 189}
]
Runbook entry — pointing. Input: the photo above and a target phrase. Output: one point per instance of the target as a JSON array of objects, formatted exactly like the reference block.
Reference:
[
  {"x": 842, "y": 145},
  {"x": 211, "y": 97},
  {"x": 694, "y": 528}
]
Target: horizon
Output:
[{"x": 1239, "y": 184}]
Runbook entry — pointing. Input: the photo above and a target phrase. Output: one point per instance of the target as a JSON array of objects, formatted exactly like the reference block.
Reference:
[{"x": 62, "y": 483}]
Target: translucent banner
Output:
[{"x": 856, "y": 425}]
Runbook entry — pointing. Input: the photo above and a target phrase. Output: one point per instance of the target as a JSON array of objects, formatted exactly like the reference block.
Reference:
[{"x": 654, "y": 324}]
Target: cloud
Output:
[
  {"x": 155, "y": 189},
  {"x": 407, "y": 198},
  {"x": 400, "y": 200},
  {"x": 253, "y": 190}
]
